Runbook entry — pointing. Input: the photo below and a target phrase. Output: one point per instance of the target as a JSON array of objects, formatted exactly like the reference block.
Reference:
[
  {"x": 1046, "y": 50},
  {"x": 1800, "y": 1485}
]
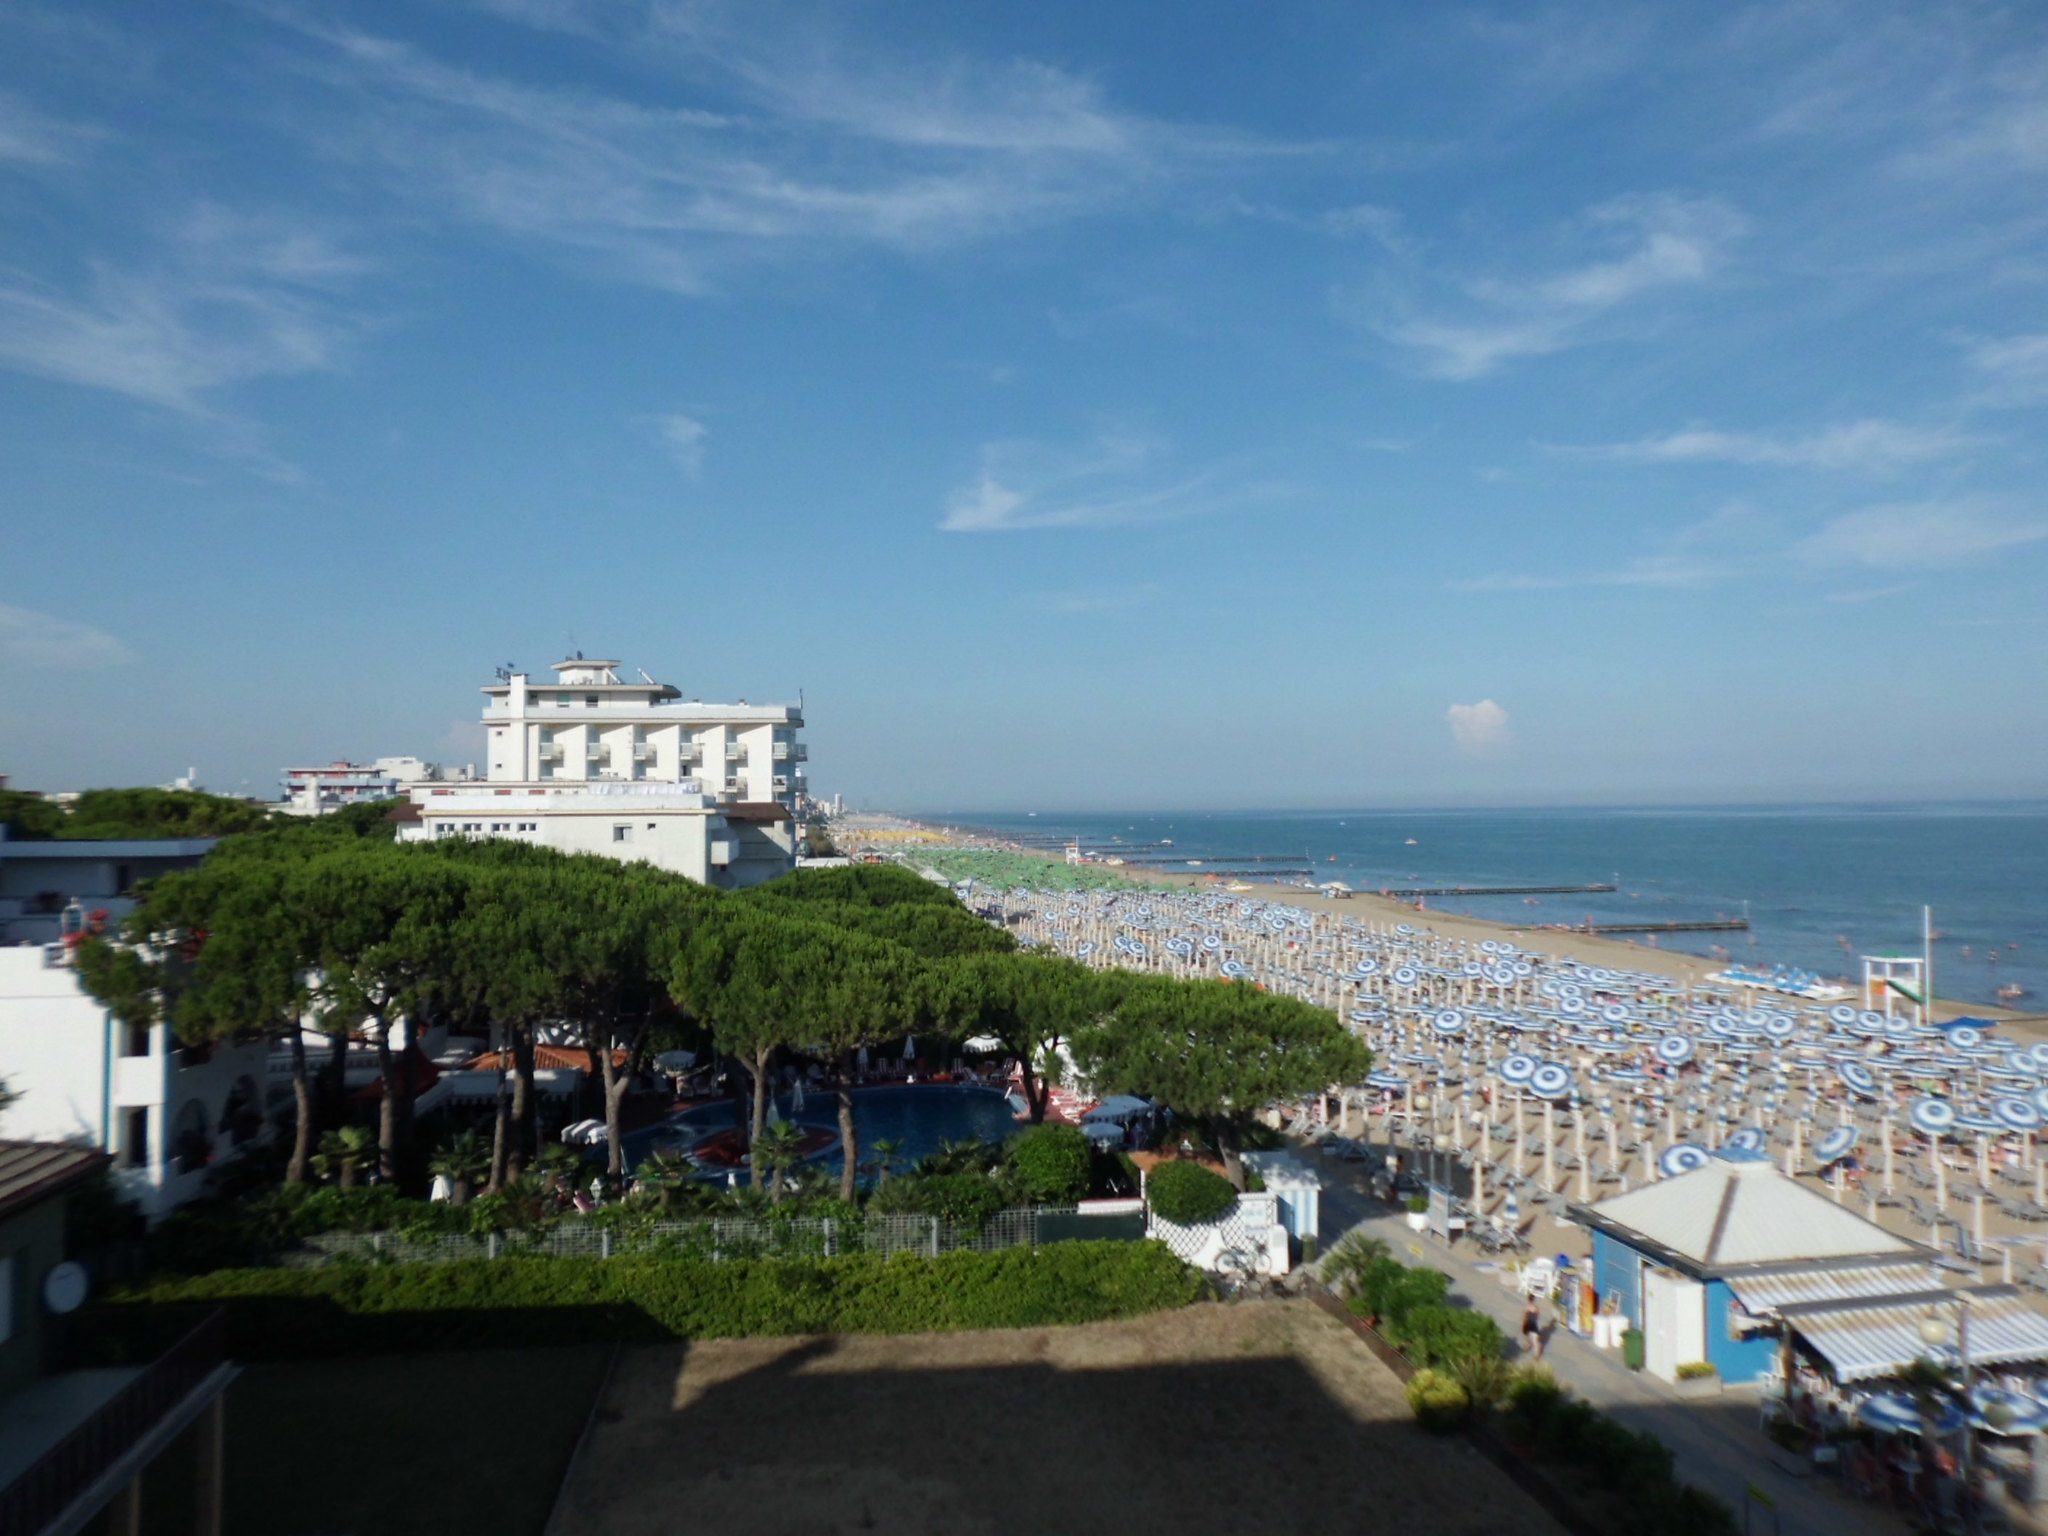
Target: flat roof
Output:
[{"x": 106, "y": 848}]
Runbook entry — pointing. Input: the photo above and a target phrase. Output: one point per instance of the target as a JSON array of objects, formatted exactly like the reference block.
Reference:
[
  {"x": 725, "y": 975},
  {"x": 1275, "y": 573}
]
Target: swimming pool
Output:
[{"x": 918, "y": 1118}]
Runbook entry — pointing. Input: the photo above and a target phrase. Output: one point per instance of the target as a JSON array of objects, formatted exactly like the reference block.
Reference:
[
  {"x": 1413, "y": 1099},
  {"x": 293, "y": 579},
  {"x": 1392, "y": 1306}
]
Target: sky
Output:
[{"x": 1159, "y": 405}]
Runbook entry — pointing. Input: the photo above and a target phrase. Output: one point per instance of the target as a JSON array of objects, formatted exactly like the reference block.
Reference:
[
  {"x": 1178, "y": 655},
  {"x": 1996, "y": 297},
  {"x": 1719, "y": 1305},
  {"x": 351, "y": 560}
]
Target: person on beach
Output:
[{"x": 1532, "y": 1330}]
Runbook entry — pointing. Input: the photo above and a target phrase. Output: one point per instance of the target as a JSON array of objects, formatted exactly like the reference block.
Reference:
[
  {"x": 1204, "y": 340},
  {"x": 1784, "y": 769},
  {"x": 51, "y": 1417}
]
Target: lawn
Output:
[
  {"x": 1262, "y": 1417},
  {"x": 451, "y": 1444}
]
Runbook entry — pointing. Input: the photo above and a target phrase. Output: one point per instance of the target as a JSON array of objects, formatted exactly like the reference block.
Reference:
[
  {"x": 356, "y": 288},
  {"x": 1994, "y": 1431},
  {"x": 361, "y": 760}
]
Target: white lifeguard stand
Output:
[
  {"x": 1896, "y": 986},
  {"x": 1073, "y": 853}
]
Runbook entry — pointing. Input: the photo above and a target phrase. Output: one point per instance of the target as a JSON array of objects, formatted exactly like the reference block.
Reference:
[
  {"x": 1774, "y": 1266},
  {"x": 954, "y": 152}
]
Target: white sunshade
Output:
[
  {"x": 1728, "y": 1214},
  {"x": 1767, "y": 1290},
  {"x": 1866, "y": 1341}
]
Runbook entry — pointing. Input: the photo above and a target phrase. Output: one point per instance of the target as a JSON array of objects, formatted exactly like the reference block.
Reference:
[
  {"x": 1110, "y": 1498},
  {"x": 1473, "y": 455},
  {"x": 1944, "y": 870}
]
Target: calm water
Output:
[
  {"x": 1820, "y": 884},
  {"x": 919, "y": 1118}
]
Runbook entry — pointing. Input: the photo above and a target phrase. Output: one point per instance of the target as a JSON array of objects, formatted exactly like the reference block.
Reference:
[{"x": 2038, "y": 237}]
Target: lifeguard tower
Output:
[{"x": 1896, "y": 986}]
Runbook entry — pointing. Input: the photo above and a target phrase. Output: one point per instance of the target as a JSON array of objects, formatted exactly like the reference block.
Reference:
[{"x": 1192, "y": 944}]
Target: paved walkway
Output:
[{"x": 1716, "y": 1442}]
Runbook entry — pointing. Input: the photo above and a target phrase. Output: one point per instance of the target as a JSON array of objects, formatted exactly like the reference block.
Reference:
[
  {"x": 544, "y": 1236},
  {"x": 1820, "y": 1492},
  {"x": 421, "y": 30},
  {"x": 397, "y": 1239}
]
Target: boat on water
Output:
[{"x": 2010, "y": 994}]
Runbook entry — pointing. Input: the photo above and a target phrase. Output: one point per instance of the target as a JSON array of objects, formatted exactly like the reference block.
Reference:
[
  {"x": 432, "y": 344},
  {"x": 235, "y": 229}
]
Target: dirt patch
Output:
[{"x": 1269, "y": 1415}]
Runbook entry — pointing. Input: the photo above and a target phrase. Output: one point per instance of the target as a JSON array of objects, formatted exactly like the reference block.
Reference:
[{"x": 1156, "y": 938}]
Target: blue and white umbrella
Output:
[
  {"x": 1965, "y": 1038},
  {"x": 1676, "y": 1049},
  {"x": 1406, "y": 975},
  {"x": 1895, "y": 1413},
  {"x": 1749, "y": 1139},
  {"x": 1781, "y": 1026},
  {"x": 1517, "y": 1068},
  {"x": 1682, "y": 1157},
  {"x": 1838, "y": 1143},
  {"x": 1552, "y": 1080},
  {"x": 2007, "y": 1413},
  {"x": 2041, "y": 1100},
  {"x": 1932, "y": 1117},
  {"x": 2039, "y": 1051},
  {"x": 1858, "y": 1077},
  {"x": 1842, "y": 1013},
  {"x": 2016, "y": 1114},
  {"x": 1384, "y": 1079}
]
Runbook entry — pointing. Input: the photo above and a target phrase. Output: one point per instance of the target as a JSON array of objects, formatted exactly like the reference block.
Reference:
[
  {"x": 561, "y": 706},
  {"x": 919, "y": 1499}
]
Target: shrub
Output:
[
  {"x": 1418, "y": 1205},
  {"x": 1348, "y": 1261},
  {"x": 1485, "y": 1379},
  {"x": 1693, "y": 1370},
  {"x": 1189, "y": 1194},
  {"x": 365, "y": 1309},
  {"x": 1437, "y": 1335},
  {"x": 1438, "y": 1402},
  {"x": 967, "y": 1199},
  {"x": 1054, "y": 1163}
]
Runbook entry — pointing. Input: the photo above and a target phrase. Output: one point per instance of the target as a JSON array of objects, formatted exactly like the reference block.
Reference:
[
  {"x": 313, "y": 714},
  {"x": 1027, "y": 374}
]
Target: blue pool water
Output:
[{"x": 919, "y": 1118}]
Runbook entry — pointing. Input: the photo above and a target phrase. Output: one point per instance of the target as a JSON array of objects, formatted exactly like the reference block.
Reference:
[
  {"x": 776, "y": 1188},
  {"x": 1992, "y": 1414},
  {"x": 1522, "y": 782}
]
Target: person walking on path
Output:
[{"x": 1532, "y": 1329}]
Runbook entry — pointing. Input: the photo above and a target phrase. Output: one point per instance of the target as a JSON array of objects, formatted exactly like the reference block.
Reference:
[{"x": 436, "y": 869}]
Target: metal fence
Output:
[
  {"x": 46, "y": 1487},
  {"x": 717, "y": 1239}
]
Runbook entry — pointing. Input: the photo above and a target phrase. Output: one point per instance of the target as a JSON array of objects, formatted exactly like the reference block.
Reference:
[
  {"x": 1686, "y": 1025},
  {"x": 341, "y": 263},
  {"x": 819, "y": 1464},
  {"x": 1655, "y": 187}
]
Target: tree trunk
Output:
[
  {"x": 617, "y": 1079},
  {"x": 1228, "y": 1144},
  {"x": 760, "y": 1125},
  {"x": 346, "y": 1175},
  {"x": 302, "y": 1095},
  {"x": 525, "y": 1147},
  {"x": 849, "y": 1139},
  {"x": 1037, "y": 1092},
  {"x": 501, "y": 1138},
  {"x": 387, "y": 1106},
  {"x": 333, "y": 1078}
]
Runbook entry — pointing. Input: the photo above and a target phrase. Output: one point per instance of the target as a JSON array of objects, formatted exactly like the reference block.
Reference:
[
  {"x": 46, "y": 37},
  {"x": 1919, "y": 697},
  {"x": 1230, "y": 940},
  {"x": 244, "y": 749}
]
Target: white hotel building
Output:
[{"x": 585, "y": 763}]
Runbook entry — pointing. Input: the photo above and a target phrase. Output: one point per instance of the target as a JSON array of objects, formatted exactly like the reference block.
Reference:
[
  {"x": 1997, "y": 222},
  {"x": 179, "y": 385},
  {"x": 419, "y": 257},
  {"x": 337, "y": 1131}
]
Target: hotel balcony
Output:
[{"x": 792, "y": 752}]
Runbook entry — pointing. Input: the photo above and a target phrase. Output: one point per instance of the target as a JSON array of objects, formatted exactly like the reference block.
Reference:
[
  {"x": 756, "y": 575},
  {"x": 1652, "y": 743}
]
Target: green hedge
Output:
[
  {"x": 371, "y": 1309},
  {"x": 1188, "y": 1194}
]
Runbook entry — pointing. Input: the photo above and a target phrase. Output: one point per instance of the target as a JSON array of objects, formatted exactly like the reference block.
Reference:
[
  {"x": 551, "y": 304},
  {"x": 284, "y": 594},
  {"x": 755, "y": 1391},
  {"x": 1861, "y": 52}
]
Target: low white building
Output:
[
  {"x": 165, "y": 1113},
  {"x": 586, "y": 763},
  {"x": 317, "y": 791}
]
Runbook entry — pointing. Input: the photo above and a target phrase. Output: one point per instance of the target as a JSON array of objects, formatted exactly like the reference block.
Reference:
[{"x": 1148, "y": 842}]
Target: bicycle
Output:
[{"x": 1245, "y": 1274}]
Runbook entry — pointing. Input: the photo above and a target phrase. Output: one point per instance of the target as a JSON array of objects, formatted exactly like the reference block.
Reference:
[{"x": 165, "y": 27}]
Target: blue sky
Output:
[{"x": 1153, "y": 405}]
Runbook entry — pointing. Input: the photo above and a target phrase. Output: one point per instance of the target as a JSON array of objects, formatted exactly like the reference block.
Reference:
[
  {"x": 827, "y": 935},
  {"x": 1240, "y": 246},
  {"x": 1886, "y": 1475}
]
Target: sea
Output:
[{"x": 1819, "y": 884}]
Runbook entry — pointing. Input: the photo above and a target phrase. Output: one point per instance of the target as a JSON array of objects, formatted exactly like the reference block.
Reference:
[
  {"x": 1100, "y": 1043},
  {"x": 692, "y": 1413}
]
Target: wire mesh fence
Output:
[{"x": 713, "y": 1239}]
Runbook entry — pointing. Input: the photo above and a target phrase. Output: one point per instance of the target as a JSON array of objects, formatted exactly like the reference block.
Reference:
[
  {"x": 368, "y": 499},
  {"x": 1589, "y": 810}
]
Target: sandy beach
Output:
[{"x": 1590, "y": 949}]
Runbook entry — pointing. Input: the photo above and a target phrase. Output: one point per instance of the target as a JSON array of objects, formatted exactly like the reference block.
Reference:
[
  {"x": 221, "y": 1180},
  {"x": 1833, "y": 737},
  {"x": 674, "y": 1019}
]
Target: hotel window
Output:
[
  {"x": 622, "y": 834},
  {"x": 590, "y": 701},
  {"x": 135, "y": 1040},
  {"x": 135, "y": 1138}
]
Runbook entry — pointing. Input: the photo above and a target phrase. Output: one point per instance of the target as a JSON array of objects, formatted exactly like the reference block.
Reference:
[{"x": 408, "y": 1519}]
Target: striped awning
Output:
[
  {"x": 1881, "y": 1336},
  {"x": 1767, "y": 1290}
]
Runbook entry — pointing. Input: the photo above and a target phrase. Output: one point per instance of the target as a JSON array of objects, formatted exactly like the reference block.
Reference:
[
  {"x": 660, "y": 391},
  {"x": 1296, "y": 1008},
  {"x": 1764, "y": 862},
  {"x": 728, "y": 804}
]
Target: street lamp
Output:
[{"x": 1935, "y": 1332}]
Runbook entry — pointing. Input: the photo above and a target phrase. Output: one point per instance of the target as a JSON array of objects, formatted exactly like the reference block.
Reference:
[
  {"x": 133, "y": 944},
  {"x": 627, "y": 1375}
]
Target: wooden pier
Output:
[{"x": 1718, "y": 925}]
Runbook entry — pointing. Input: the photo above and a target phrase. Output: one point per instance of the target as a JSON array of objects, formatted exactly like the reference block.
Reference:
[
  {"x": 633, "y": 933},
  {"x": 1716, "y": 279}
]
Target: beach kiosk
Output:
[
  {"x": 1296, "y": 1188},
  {"x": 1715, "y": 1265}
]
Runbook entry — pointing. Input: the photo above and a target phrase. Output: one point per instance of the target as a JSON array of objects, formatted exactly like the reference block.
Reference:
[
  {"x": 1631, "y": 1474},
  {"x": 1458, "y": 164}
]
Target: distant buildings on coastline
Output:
[
  {"x": 317, "y": 791},
  {"x": 584, "y": 762}
]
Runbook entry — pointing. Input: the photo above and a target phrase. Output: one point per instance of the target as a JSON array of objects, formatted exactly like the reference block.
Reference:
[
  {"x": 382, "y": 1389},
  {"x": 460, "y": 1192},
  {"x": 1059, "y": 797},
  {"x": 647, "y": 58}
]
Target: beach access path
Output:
[{"x": 1717, "y": 1443}]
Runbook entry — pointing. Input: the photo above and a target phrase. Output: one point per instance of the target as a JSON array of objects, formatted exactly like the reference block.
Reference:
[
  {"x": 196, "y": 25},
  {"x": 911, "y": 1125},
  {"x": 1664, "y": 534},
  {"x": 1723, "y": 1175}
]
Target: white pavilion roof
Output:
[{"x": 1731, "y": 1214}]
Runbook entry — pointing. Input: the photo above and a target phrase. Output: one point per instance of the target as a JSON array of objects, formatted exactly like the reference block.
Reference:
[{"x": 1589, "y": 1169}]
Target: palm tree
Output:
[
  {"x": 779, "y": 1146},
  {"x": 345, "y": 1153},
  {"x": 886, "y": 1152},
  {"x": 465, "y": 1163}
]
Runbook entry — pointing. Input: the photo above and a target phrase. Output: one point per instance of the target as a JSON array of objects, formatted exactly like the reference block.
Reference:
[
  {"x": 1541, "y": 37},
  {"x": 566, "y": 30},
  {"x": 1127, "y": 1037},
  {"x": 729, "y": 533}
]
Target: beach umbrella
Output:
[
  {"x": 2007, "y": 1413},
  {"x": 1895, "y": 1413},
  {"x": 2041, "y": 1100},
  {"x": 1683, "y": 1157},
  {"x": 1932, "y": 1117},
  {"x": 1859, "y": 1078},
  {"x": 1675, "y": 1049},
  {"x": 2016, "y": 1114},
  {"x": 1448, "y": 1022},
  {"x": 1550, "y": 1081},
  {"x": 909, "y": 1047},
  {"x": 1842, "y": 1013},
  {"x": 1517, "y": 1068},
  {"x": 2039, "y": 1051},
  {"x": 1834, "y": 1144},
  {"x": 1965, "y": 1038},
  {"x": 1749, "y": 1139}
]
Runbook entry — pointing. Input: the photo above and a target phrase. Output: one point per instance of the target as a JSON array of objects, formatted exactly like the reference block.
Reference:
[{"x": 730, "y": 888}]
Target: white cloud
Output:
[
  {"x": 1666, "y": 242},
  {"x": 229, "y": 297},
  {"x": 1478, "y": 729},
  {"x": 29, "y": 136},
  {"x": 1859, "y": 445},
  {"x": 813, "y": 147},
  {"x": 1913, "y": 535},
  {"x": 683, "y": 437},
  {"x": 41, "y": 642},
  {"x": 1112, "y": 481}
]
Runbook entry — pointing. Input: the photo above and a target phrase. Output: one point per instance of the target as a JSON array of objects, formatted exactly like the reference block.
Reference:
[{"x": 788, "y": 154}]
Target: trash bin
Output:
[{"x": 1632, "y": 1349}]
